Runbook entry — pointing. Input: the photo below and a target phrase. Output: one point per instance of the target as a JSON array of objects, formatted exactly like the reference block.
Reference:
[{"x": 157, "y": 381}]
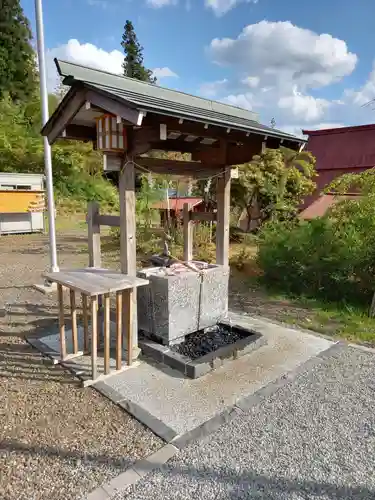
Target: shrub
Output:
[{"x": 330, "y": 257}]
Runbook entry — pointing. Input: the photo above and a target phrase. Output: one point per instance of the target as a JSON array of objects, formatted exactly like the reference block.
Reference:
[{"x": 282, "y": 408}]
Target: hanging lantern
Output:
[{"x": 111, "y": 134}]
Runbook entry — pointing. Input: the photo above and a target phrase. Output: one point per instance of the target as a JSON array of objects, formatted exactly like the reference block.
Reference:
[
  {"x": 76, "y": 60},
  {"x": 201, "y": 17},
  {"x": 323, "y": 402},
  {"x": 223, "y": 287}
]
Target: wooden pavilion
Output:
[{"x": 126, "y": 119}]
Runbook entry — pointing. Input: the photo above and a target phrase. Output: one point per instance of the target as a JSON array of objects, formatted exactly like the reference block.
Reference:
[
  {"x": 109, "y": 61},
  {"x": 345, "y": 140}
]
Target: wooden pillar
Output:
[
  {"x": 223, "y": 216},
  {"x": 188, "y": 234},
  {"x": 107, "y": 334},
  {"x": 128, "y": 250},
  {"x": 85, "y": 314},
  {"x": 94, "y": 235}
]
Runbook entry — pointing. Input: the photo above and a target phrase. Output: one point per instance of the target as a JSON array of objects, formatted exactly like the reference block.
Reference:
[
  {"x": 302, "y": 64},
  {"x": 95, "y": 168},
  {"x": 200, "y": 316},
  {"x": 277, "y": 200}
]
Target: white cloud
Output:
[
  {"x": 304, "y": 107},
  {"x": 297, "y": 129},
  {"x": 164, "y": 73},
  {"x": 251, "y": 81},
  {"x": 286, "y": 54},
  {"x": 83, "y": 53},
  {"x": 161, "y": 3},
  {"x": 212, "y": 89},
  {"x": 221, "y": 7},
  {"x": 245, "y": 101},
  {"x": 365, "y": 94}
]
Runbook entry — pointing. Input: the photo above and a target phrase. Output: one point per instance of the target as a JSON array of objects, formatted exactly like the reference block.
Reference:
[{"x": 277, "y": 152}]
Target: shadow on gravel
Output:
[
  {"x": 13, "y": 446},
  {"x": 21, "y": 361},
  {"x": 262, "y": 487}
]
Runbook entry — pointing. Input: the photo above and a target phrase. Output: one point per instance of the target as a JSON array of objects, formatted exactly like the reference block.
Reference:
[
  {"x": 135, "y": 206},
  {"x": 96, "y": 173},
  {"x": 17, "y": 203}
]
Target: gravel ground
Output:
[
  {"x": 314, "y": 439},
  {"x": 57, "y": 440},
  {"x": 200, "y": 343}
]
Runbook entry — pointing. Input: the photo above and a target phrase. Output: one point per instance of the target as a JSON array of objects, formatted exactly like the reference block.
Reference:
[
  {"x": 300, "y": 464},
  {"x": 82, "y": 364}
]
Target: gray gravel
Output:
[
  {"x": 57, "y": 440},
  {"x": 314, "y": 439}
]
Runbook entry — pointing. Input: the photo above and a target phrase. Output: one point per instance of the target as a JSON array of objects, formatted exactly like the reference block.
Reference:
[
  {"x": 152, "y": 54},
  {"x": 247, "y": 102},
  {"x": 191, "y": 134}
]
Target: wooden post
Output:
[
  {"x": 61, "y": 322},
  {"x": 188, "y": 234},
  {"x": 223, "y": 214},
  {"x": 128, "y": 245},
  {"x": 128, "y": 310},
  {"x": 107, "y": 336},
  {"x": 85, "y": 323},
  {"x": 94, "y": 336},
  {"x": 73, "y": 314},
  {"x": 118, "y": 330},
  {"x": 94, "y": 234}
]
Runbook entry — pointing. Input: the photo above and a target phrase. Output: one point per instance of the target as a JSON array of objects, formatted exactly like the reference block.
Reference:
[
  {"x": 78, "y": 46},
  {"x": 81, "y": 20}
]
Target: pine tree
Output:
[
  {"x": 133, "y": 61},
  {"x": 17, "y": 59}
]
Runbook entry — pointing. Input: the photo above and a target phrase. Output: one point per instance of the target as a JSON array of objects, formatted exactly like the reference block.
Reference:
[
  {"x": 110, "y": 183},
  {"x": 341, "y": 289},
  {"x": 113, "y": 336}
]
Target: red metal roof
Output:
[
  {"x": 345, "y": 148},
  {"x": 177, "y": 203},
  {"x": 320, "y": 206}
]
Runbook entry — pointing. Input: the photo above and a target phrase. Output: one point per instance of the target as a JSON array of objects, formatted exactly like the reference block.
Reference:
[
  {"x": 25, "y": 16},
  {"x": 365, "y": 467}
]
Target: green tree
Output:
[
  {"x": 273, "y": 184},
  {"x": 18, "y": 76},
  {"x": 133, "y": 61}
]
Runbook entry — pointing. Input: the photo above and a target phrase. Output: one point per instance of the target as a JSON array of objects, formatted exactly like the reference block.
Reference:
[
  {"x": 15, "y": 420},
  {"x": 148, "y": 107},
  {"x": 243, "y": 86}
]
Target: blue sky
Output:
[{"x": 307, "y": 64}]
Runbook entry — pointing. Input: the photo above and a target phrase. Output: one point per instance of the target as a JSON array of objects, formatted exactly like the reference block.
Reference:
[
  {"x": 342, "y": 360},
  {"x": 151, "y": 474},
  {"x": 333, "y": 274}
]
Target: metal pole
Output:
[{"x": 47, "y": 147}]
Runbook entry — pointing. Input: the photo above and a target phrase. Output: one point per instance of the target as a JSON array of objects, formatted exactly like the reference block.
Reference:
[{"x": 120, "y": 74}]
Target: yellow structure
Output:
[{"x": 22, "y": 203}]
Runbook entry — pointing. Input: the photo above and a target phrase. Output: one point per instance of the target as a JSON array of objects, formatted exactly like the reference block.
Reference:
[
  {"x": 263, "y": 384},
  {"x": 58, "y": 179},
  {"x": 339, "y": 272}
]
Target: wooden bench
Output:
[{"x": 95, "y": 283}]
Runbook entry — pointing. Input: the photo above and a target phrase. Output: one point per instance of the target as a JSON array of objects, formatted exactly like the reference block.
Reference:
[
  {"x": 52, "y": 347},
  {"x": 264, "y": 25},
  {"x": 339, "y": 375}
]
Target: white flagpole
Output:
[{"x": 47, "y": 147}]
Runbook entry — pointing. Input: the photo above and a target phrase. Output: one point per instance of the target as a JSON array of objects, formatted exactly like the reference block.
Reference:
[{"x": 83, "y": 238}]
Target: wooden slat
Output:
[
  {"x": 223, "y": 215},
  {"x": 107, "y": 335},
  {"x": 188, "y": 234},
  {"x": 91, "y": 281},
  {"x": 85, "y": 323},
  {"x": 73, "y": 315},
  {"x": 128, "y": 310},
  {"x": 119, "y": 330},
  {"x": 109, "y": 220},
  {"x": 94, "y": 234},
  {"x": 203, "y": 216},
  {"x": 94, "y": 336},
  {"x": 60, "y": 294}
]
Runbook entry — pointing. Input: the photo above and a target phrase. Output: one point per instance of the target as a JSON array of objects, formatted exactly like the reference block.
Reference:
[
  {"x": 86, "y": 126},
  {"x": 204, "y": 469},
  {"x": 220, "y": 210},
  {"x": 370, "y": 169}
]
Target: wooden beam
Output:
[
  {"x": 109, "y": 220},
  {"x": 203, "y": 216},
  {"x": 65, "y": 114},
  {"x": 215, "y": 155},
  {"x": 237, "y": 155},
  {"x": 79, "y": 133},
  {"x": 114, "y": 106},
  {"x": 223, "y": 214},
  {"x": 176, "y": 167},
  {"x": 188, "y": 234},
  {"x": 94, "y": 234}
]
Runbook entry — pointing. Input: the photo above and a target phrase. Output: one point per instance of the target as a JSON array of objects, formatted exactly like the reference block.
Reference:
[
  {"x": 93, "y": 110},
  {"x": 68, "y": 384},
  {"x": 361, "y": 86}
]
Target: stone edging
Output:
[{"x": 205, "y": 364}]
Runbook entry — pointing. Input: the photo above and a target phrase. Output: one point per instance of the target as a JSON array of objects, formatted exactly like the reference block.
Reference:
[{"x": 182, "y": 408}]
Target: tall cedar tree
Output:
[
  {"x": 17, "y": 60},
  {"x": 133, "y": 61}
]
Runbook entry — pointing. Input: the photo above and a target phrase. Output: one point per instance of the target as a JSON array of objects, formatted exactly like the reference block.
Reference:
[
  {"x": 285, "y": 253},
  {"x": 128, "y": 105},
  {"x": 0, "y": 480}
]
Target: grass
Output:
[{"x": 333, "y": 319}]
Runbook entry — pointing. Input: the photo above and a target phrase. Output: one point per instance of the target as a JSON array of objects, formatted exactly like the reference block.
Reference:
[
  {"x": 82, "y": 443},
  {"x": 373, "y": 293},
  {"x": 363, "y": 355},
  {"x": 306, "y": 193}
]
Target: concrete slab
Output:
[
  {"x": 80, "y": 366},
  {"x": 183, "y": 405}
]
